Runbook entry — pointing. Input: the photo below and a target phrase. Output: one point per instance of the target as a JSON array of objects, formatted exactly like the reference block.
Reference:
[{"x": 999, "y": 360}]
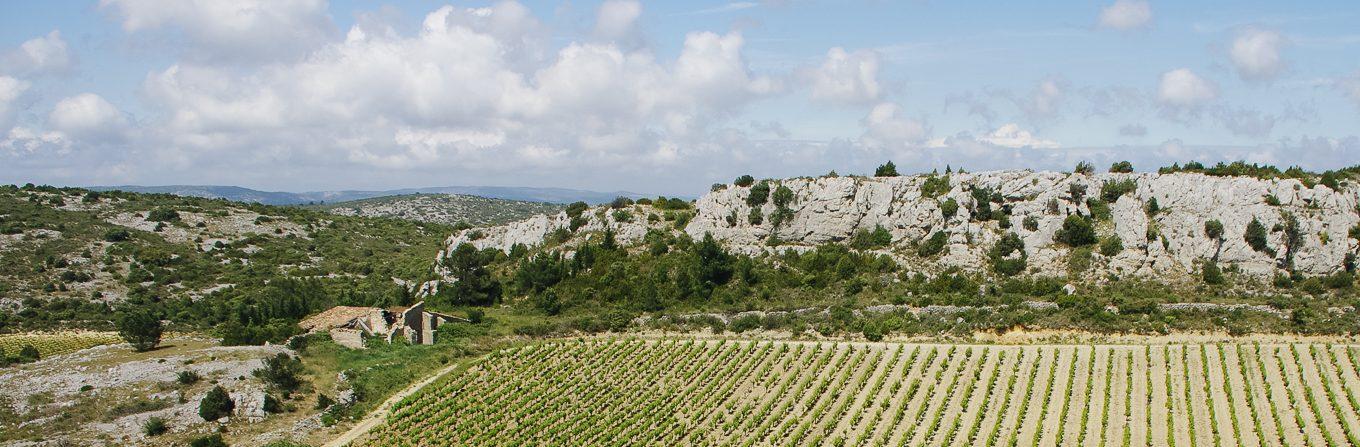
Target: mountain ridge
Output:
[{"x": 242, "y": 194}]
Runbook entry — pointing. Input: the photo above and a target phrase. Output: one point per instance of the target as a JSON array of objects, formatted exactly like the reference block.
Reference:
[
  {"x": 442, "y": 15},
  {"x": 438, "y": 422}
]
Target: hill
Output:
[
  {"x": 68, "y": 256},
  {"x": 1110, "y": 252},
  {"x": 239, "y": 194},
  {"x": 447, "y": 209}
]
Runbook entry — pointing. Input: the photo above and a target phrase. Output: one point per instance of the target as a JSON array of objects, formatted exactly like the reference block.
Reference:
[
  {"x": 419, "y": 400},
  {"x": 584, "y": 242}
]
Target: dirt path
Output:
[{"x": 379, "y": 414}]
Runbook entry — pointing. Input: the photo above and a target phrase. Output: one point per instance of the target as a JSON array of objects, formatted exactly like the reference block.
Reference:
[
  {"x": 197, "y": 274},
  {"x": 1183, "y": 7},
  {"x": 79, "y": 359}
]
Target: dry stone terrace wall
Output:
[{"x": 831, "y": 209}]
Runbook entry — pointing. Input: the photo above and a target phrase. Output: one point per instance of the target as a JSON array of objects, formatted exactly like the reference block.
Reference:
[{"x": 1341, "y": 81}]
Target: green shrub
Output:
[
  {"x": 117, "y": 235},
  {"x": 783, "y": 196},
  {"x": 744, "y": 181},
  {"x": 1031, "y": 223},
  {"x": 1084, "y": 168},
  {"x": 1111, "y": 246},
  {"x": 1272, "y": 200},
  {"x": 1100, "y": 209},
  {"x": 886, "y": 170},
  {"x": 866, "y": 240},
  {"x": 281, "y": 372},
  {"x": 216, "y": 405},
  {"x": 755, "y": 217},
  {"x": 1339, "y": 280},
  {"x": 1079, "y": 261},
  {"x": 1152, "y": 207},
  {"x": 1122, "y": 167},
  {"x": 1212, "y": 274},
  {"x": 155, "y": 426},
  {"x": 1001, "y": 255},
  {"x": 575, "y": 209},
  {"x": 323, "y": 402},
  {"x": 872, "y": 332},
  {"x": 141, "y": 329},
  {"x": 935, "y": 186},
  {"x": 1077, "y": 192},
  {"x": 1256, "y": 236},
  {"x": 949, "y": 208},
  {"x": 760, "y": 193},
  {"x": 1113, "y": 189},
  {"x": 188, "y": 377},
  {"x": 1076, "y": 231},
  {"x": 208, "y": 441},
  {"x": 933, "y": 245},
  {"x": 162, "y": 215},
  {"x": 1213, "y": 229}
]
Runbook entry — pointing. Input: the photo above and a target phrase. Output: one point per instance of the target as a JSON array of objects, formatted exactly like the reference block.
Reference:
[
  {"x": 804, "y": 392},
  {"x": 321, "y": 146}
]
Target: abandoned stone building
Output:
[{"x": 350, "y": 325}]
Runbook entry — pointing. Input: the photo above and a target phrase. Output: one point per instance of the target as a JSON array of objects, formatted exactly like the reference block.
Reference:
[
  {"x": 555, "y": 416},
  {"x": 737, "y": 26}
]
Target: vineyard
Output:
[
  {"x": 741, "y": 393},
  {"x": 55, "y": 343}
]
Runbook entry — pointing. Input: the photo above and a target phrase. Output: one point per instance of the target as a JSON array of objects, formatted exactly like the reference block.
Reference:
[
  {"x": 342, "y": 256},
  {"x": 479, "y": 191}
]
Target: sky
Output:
[{"x": 660, "y": 97}]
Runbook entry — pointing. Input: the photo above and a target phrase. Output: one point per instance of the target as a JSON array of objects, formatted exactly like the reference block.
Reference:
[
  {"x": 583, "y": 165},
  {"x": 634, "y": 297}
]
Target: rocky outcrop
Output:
[{"x": 1170, "y": 243}]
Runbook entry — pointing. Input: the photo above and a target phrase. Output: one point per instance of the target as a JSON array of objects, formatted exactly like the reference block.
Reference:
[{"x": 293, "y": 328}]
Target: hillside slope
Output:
[
  {"x": 1307, "y": 229},
  {"x": 448, "y": 209}
]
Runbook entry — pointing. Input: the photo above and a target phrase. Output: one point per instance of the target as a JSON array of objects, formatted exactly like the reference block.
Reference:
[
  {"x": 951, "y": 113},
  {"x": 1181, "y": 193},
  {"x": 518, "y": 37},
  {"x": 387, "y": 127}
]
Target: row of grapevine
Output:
[{"x": 624, "y": 392}]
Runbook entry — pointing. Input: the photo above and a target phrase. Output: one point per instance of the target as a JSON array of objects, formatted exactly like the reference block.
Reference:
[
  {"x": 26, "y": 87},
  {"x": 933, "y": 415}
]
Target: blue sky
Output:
[{"x": 659, "y": 97}]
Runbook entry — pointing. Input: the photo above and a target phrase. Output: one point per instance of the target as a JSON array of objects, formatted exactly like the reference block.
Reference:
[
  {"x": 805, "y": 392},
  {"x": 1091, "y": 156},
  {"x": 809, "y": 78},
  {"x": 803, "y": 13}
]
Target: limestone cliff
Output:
[{"x": 1167, "y": 244}]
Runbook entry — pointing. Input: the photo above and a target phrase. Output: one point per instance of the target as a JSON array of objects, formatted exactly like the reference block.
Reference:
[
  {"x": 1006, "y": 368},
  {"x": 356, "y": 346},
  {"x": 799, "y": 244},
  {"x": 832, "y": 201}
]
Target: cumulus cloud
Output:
[
  {"x": 237, "y": 31},
  {"x": 1183, "y": 88},
  {"x": 38, "y": 56},
  {"x": 1125, "y": 15},
  {"x": 22, "y": 142},
  {"x": 87, "y": 116},
  {"x": 466, "y": 92},
  {"x": 888, "y": 127},
  {"x": 846, "y": 77},
  {"x": 10, "y": 89},
  {"x": 616, "y": 20},
  {"x": 1255, "y": 53},
  {"x": 1011, "y": 135}
]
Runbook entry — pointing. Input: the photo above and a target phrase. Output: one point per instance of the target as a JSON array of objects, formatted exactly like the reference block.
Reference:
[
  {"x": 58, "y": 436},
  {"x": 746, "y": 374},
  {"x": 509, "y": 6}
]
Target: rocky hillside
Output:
[
  {"x": 448, "y": 209},
  {"x": 1145, "y": 225}
]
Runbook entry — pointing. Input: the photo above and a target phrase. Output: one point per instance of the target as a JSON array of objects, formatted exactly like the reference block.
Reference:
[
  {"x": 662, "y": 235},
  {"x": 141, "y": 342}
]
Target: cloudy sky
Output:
[{"x": 659, "y": 97}]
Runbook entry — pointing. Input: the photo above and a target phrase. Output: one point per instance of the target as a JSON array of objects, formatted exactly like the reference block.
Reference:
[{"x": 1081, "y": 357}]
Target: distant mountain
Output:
[{"x": 236, "y": 193}]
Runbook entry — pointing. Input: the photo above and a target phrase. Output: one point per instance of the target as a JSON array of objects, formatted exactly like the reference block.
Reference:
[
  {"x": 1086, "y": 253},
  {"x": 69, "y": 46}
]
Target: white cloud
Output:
[
  {"x": 25, "y": 142},
  {"x": 1184, "y": 89},
  {"x": 470, "y": 92},
  {"x": 87, "y": 116},
  {"x": 237, "y": 30},
  {"x": 1011, "y": 135},
  {"x": 1255, "y": 53},
  {"x": 1125, "y": 15},
  {"x": 39, "y": 56},
  {"x": 616, "y": 20},
  {"x": 846, "y": 78},
  {"x": 10, "y": 89},
  {"x": 887, "y": 127}
]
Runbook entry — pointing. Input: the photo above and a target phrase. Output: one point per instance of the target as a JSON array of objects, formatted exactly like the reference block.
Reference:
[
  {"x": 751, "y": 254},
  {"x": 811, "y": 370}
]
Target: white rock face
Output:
[{"x": 831, "y": 209}]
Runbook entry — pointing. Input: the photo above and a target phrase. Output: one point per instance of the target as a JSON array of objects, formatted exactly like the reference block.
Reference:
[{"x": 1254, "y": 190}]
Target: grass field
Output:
[{"x": 740, "y": 393}]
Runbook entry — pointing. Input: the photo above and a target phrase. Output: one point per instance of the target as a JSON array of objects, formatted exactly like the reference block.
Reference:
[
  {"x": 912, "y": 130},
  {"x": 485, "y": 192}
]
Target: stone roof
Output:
[{"x": 336, "y": 317}]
